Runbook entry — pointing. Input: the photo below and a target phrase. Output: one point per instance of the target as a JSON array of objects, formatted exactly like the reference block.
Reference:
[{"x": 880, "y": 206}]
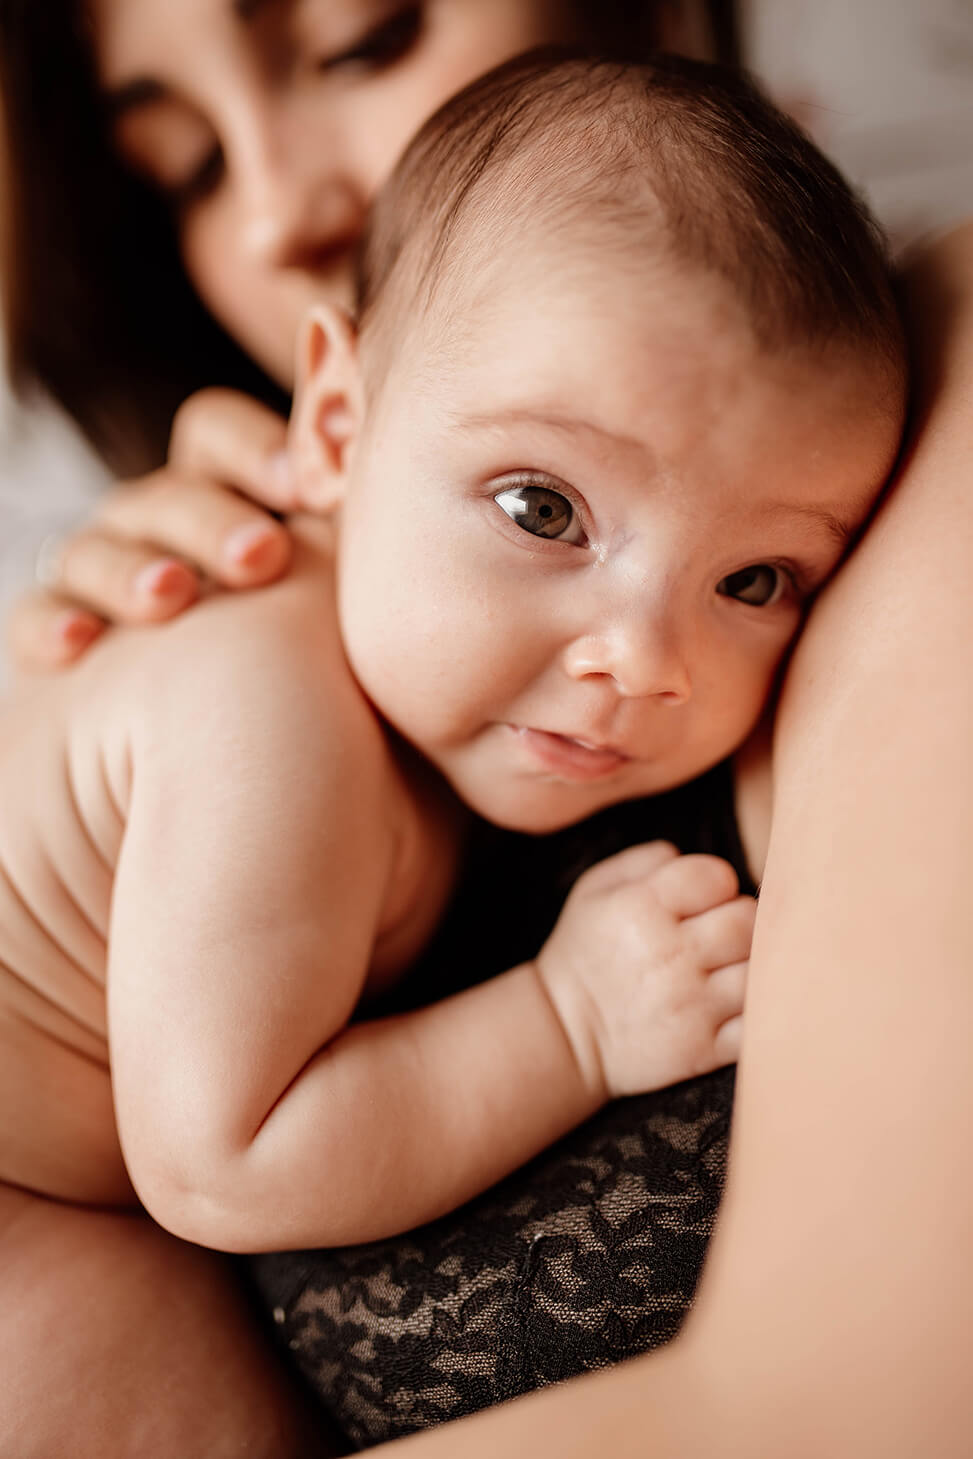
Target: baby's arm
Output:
[
  {"x": 253, "y": 1118},
  {"x": 251, "y": 883}
]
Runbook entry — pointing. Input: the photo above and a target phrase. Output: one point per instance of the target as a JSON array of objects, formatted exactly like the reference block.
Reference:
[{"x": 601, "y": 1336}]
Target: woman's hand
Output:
[{"x": 203, "y": 515}]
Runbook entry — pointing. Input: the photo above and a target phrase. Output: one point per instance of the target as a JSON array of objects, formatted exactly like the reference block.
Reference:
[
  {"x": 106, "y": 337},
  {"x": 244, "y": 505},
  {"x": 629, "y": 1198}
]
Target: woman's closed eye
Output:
[
  {"x": 541, "y": 511},
  {"x": 199, "y": 182},
  {"x": 761, "y": 585},
  {"x": 383, "y": 44}
]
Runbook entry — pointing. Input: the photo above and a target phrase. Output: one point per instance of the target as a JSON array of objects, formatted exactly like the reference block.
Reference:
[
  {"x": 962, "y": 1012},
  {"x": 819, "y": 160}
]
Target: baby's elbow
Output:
[{"x": 196, "y": 1195}]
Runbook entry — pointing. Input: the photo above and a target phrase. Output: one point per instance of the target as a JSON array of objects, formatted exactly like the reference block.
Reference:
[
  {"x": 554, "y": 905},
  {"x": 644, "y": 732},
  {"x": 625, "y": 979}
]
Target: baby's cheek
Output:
[{"x": 735, "y": 699}]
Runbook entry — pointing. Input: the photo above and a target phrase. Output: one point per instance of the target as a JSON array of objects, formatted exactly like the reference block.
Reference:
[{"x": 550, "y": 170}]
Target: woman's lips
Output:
[{"x": 569, "y": 758}]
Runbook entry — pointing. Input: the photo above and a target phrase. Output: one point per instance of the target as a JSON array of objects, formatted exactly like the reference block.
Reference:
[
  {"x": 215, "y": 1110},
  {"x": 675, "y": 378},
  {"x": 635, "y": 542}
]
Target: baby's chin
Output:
[
  {"x": 541, "y": 806},
  {"x": 539, "y": 811}
]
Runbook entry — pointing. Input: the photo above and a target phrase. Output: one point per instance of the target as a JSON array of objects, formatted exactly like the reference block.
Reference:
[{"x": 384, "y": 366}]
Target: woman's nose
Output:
[
  {"x": 298, "y": 210},
  {"x": 643, "y": 659}
]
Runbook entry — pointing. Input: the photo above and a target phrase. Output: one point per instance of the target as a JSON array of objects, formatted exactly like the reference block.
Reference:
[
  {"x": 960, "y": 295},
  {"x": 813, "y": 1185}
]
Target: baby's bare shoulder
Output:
[
  {"x": 250, "y": 685},
  {"x": 264, "y": 663}
]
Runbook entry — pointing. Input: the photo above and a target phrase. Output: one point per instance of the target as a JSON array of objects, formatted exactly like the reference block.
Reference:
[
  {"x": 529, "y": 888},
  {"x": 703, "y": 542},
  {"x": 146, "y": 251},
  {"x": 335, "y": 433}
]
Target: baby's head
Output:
[{"x": 627, "y": 378}]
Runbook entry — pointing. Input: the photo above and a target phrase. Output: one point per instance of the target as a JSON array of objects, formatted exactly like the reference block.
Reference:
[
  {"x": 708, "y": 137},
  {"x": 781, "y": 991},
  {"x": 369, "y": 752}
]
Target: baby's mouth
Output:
[{"x": 569, "y": 756}]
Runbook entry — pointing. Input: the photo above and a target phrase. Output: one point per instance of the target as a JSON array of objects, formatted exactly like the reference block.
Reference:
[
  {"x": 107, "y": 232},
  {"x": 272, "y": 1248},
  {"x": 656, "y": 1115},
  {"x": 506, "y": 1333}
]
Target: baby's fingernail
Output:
[
  {"x": 77, "y": 629},
  {"x": 249, "y": 546},
  {"x": 279, "y": 476},
  {"x": 161, "y": 579}
]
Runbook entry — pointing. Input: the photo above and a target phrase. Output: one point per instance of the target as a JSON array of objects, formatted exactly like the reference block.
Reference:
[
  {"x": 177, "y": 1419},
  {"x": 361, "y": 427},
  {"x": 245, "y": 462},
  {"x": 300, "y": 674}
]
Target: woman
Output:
[{"x": 301, "y": 253}]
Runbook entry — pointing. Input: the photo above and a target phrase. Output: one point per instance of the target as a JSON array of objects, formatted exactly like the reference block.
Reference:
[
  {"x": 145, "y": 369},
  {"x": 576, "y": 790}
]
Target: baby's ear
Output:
[{"x": 328, "y": 404}]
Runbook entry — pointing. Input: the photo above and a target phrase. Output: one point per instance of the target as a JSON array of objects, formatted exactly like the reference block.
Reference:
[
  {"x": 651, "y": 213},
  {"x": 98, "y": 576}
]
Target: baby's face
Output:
[{"x": 581, "y": 530}]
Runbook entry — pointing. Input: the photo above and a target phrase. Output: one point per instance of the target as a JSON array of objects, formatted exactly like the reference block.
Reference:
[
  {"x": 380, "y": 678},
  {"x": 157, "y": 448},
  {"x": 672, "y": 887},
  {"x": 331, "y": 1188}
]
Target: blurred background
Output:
[{"x": 884, "y": 86}]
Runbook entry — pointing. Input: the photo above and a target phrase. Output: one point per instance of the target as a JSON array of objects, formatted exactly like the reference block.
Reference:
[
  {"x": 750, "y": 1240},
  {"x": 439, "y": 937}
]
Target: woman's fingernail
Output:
[
  {"x": 279, "y": 476},
  {"x": 248, "y": 546},
  {"x": 161, "y": 579},
  {"x": 77, "y": 629}
]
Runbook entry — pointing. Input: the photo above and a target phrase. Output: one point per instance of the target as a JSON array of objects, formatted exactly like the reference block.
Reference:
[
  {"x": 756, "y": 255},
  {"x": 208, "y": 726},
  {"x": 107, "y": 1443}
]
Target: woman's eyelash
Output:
[
  {"x": 382, "y": 45},
  {"x": 200, "y": 181}
]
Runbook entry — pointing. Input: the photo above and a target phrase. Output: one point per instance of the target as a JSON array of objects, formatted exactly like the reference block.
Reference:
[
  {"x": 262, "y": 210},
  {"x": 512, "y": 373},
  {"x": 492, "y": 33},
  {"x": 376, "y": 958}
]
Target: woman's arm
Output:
[{"x": 836, "y": 1313}]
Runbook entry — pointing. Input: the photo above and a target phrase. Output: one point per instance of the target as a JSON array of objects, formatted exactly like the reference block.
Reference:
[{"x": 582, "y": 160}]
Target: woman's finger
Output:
[
  {"x": 123, "y": 581},
  {"x": 230, "y": 539},
  {"x": 48, "y": 630},
  {"x": 226, "y": 436}
]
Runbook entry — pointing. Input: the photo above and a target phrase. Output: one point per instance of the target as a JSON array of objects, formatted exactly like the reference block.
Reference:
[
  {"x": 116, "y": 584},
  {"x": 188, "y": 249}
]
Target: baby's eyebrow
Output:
[
  {"x": 549, "y": 419},
  {"x": 837, "y": 528}
]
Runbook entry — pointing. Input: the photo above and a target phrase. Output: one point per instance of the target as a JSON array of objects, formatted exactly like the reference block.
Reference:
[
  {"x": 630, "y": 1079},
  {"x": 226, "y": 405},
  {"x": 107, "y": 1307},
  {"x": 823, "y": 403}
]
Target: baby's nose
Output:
[{"x": 642, "y": 659}]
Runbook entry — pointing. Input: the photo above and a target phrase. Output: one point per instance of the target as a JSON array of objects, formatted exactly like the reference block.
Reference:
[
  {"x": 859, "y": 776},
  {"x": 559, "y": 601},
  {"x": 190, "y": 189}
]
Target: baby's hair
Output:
[{"x": 673, "y": 158}]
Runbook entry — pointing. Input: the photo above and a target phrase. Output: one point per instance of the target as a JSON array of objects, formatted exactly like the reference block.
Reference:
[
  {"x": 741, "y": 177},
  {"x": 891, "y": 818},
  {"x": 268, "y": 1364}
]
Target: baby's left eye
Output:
[
  {"x": 541, "y": 511},
  {"x": 760, "y": 586}
]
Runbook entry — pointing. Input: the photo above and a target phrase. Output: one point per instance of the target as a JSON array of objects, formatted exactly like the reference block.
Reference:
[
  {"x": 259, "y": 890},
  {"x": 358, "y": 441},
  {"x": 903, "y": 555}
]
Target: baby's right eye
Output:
[{"x": 541, "y": 511}]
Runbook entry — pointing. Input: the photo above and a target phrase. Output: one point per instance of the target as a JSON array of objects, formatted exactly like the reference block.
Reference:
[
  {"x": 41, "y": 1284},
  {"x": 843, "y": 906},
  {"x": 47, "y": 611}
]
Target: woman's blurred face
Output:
[{"x": 269, "y": 125}]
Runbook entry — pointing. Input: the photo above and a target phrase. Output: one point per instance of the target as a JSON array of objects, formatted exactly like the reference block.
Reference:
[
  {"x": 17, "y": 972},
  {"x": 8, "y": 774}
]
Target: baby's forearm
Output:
[{"x": 393, "y": 1123}]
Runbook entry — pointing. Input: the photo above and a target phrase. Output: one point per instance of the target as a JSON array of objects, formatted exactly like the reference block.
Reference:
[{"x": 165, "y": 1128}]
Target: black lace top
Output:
[{"x": 589, "y": 1254}]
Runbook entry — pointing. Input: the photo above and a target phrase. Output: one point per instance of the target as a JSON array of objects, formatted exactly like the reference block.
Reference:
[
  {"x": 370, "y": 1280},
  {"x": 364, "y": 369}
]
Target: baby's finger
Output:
[
  {"x": 228, "y": 538},
  {"x": 634, "y": 864},
  {"x": 48, "y": 631},
  {"x": 122, "y": 581},
  {"x": 692, "y": 884},
  {"x": 726, "y": 989},
  {"x": 723, "y": 934},
  {"x": 230, "y": 437}
]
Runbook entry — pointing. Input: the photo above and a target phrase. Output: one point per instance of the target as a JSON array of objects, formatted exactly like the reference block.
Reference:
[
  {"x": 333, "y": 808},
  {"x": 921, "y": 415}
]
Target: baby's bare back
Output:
[{"x": 63, "y": 792}]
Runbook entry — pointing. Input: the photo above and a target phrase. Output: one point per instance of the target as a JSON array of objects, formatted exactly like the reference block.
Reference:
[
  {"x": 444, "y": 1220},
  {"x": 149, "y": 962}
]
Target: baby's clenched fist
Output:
[{"x": 646, "y": 968}]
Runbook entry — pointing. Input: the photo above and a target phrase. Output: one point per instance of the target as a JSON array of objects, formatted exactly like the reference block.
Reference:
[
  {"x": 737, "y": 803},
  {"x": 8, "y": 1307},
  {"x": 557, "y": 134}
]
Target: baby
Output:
[{"x": 625, "y": 381}]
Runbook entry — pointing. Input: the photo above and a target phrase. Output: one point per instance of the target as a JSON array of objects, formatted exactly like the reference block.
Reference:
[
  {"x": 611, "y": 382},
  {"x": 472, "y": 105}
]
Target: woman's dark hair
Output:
[{"x": 98, "y": 309}]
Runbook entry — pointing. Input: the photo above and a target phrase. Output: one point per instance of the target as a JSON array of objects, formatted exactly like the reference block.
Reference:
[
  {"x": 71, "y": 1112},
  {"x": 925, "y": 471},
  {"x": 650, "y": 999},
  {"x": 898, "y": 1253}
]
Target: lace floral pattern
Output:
[{"x": 589, "y": 1254}]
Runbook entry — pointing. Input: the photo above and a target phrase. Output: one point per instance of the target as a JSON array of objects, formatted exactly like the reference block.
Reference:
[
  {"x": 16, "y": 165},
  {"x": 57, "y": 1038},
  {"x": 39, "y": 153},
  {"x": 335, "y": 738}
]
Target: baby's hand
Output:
[{"x": 646, "y": 968}]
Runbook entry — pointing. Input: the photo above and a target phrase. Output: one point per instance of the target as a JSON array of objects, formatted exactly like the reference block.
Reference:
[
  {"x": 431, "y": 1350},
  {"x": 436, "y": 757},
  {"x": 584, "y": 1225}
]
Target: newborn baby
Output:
[{"x": 625, "y": 381}]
